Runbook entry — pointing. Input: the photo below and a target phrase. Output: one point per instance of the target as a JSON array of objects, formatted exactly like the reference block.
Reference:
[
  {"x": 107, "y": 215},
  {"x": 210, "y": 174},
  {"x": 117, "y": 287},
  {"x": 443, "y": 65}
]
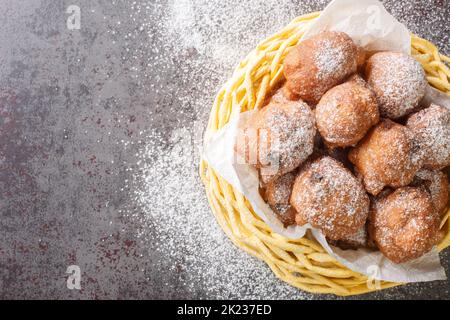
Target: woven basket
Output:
[{"x": 302, "y": 262}]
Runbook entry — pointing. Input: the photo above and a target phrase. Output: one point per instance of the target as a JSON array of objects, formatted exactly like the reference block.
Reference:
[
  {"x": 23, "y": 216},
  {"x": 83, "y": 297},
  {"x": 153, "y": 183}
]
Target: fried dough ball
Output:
[
  {"x": 330, "y": 198},
  {"x": 436, "y": 182},
  {"x": 398, "y": 82},
  {"x": 353, "y": 241},
  {"x": 277, "y": 138},
  {"x": 346, "y": 112},
  {"x": 385, "y": 157},
  {"x": 431, "y": 129},
  {"x": 404, "y": 224},
  {"x": 319, "y": 63},
  {"x": 278, "y": 193},
  {"x": 357, "y": 79}
]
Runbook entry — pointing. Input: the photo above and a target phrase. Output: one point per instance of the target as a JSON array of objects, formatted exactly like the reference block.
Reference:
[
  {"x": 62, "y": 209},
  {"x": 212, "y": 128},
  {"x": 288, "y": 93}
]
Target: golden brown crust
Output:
[
  {"x": 431, "y": 130},
  {"x": 277, "y": 138},
  {"x": 404, "y": 224},
  {"x": 436, "y": 182},
  {"x": 319, "y": 63},
  {"x": 398, "y": 81},
  {"x": 353, "y": 241},
  {"x": 346, "y": 112},
  {"x": 385, "y": 157},
  {"x": 278, "y": 193},
  {"x": 330, "y": 198},
  {"x": 282, "y": 95}
]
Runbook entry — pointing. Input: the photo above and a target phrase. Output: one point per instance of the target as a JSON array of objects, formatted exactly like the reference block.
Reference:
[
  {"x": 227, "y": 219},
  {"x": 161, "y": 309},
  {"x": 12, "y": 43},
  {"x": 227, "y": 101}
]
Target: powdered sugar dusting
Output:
[
  {"x": 278, "y": 194},
  {"x": 431, "y": 130},
  {"x": 282, "y": 188},
  {"x": 360, "y": 237},
  {"x": 330, "y": 59},
  {"x": 185, "y": 231},
  {"x": 329, "y": 197},
  {"x": 291, "y": 130},
  {"x": 436, "y": 183},
  {"x": 385, "y": 157},
  {"x": 186, "y": 50},
  {"x": 346, "y": 112},
  {"x": 193, "y": 47},
  {"x": 398, "y": 81},
  {"x": 353, "y": 241},
  {"x": 405, "y": 224}
]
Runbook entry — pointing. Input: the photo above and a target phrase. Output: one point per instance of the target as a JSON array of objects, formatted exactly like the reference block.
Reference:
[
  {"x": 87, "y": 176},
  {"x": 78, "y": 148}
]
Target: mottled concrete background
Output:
[{"x": 76, "y": 108}]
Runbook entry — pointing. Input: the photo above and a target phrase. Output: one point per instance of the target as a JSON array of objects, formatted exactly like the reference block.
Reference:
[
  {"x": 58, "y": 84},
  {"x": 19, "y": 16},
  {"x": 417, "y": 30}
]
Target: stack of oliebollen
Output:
[{"x": 344, "y": 145}]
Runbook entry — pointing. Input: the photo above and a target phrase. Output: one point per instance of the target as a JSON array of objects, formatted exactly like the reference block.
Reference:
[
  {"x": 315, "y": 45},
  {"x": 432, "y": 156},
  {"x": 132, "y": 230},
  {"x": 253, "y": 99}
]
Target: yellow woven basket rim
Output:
[{"x": 303, "y": 262}]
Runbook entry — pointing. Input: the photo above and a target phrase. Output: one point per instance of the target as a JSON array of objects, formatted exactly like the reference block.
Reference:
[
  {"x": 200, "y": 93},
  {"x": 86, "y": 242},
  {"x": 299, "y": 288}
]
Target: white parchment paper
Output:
[{"x": 372, "y": 27}]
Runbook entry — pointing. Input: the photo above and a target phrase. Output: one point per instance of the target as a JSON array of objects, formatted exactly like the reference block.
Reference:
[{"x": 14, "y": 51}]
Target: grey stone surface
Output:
[{"x": 70, "y": 100}]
